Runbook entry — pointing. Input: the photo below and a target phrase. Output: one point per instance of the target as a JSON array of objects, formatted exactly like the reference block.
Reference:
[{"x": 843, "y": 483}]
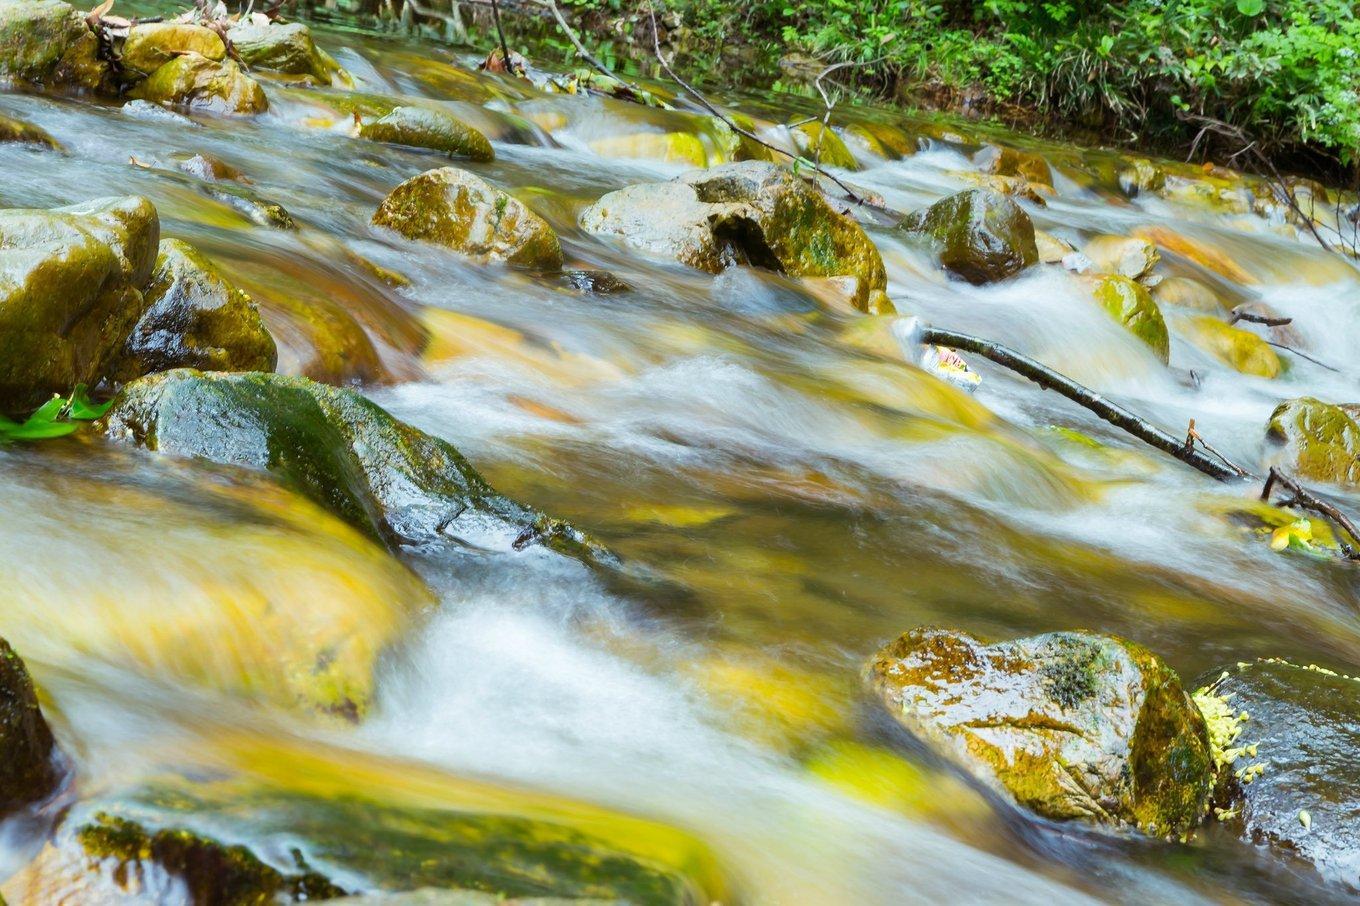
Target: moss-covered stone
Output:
[
  {"x": 214, "y": 873},
  {"x": 1127, "y": 256},
  {"x": 1129, "y": 303},
  {"x": 881, "y": 140},
  {"x": 1003, "y": 161},
  {"x": 671, "y": 147},
  {"x": 819, "y": 143},
  {"x": 422, "y": 127},
  {"x": 286, "y": 48},
  {"x": 194, "y": 318},
  {"x": 1071, "y": 725},
  {"x": 1140, "y": 176},
  {"x": 748, "y": 213},
  {"x": 1291, "y": 778},
  {"x": 382, "y": 476},
  {"x": 1319, "y": 440},
  {"x": 28, "y": 768},
  {"x": 149, "y": 46},
  {"x": 1239, "y": 349},
  {"x": 46, "y": 42},
  {"x": 458, "y": 209},
  {"x": 1187, "y": 293},
  {"x": 70, "y": 293},
  {"x": 12, "y": 130},
  {"x": 194, "y": 81},
  {"x": 981, "y": 236}
]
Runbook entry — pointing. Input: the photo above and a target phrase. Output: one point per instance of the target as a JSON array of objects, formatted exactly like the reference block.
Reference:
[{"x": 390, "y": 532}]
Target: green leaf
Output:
[
  {"x": 85, "y": 410},
  {"x": 46, "y": 413},
  {"x": 1251, "y": 7},
  {"x": 39, "y": 430}
]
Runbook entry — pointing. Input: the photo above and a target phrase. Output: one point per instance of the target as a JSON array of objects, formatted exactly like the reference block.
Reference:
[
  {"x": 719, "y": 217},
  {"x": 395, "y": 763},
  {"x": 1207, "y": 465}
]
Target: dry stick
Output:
[
  {"x": 850, "y": 194},
  {"x": 1258, "y": 319},
  {"x": 1309, "y": 500},
  {"x": 1192, "y": 436},
  {"x": 581, "y": 50},
  {"x": 500, "y": 33},
  {"x": 1051, "y": 380}
]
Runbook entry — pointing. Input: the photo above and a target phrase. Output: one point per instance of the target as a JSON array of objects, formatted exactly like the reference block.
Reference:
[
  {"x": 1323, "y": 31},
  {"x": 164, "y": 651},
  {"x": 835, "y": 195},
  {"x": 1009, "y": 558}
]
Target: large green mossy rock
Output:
[
  {"x": 46, "y": 42},
  {"x": 1129, "y": 303},
  {"x": 421, "y": 127},
  {"x": 70, "y": 282},
  {"x": 286, "y": 48},
  {"x": 195, "y": 318},
  {"x": 752, "y": 213},
  {"x": 12, "y": 130},
  {"x": 980, "y": 235},
  {"x": 379, "y": 474},
  {"x": 1320, "y": 440},
  {"x": 149, "y": 46},
  {"x": 1070, "y": 725},
  {"x": 464, "y": 212},
  {"x": 1291, "y": 777},
  {"x": 194, "y": 81},
  {"x": 1003, "y": 161},
  {"x": 28, "y": 768}
]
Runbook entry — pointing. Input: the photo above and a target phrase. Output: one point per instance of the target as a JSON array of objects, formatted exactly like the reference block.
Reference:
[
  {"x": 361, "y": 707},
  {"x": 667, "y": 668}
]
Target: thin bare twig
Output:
[
  {"x": 1238, "y": 315},
  {"x": 1192, "y": 437},
  {"x": 1308, "y": 500},
  {"x": 500, "y": 33},
  {"x": 1302, "y": 355},
  {"x": 581, "y": 50}
]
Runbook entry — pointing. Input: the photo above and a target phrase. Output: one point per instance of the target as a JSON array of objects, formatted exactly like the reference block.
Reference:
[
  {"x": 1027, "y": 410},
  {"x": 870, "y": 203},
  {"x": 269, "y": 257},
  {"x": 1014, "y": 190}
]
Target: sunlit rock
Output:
[
  {"x": 1127, "y": 256},
  {"x": 1003, "y": 161},
  {"x": 1051, "y": 249},
  {"x": 880, "y": 140},
  {"x": 1237, "y": 348},
  {"x": 458, "y": 209},
  {"x": 1130, "y": 303},
  {"x": 149, "y": 46},
  {"x": 820, "y": 144},
  {"x": 12, "y": 130},
  {"x": 748, "y": 213},
  {"x": 195, "y": 318},
  {"x": 196, "y": 82},
  {"x": 284, "y": 47},
  {"x": 1070, "y": 725},
  {"x": 671, "y": 147},
  {"x": 381, "y": 475},
  {"x": 1290, "y": 777},
  {"x": 1187, "y": 293},
  {"x": 1141, "y": 176},
  {"x": 1318, "y": 440},
  {"x": 70, "y": 292},
  {"x": 422, "y": 127},
  {"x": 980, "y": 236}
]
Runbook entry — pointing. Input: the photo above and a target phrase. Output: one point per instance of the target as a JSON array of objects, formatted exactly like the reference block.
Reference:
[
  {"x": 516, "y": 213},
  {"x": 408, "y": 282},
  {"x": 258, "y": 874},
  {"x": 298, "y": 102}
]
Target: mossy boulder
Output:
[
  {"x": 1127, "y": 256},
  {"x": 981, "y": 236},
  {"x": 881, "y": 140},
  {"x": 1239, "y": 349},
  {"x": 70, "y": 293},
  {"x": 819, "y": 143},
  {"x": 149, "y": 46},
  {"x": 194, "y": 81},
  {"x": 194, "y": 318},
  {"x": 1319, "y": 440},
  {"x": 12, "y": 130},
  {"x": 422, "y": 127},
  {"x": 1129, "y": 303},
  {"x": 1070, "y": 725},
  {"x": 464, "y": 212},
  {"x": 1290, "y": 777},
  {"x": 1003, "y": 161},
  {"x": 46, "y": 42},
  {"x": 1140, "y": 176},
  {"x": 286, "y": 48},
  {"x": 749, "y": 213},
  {"x": 28, "y": 765},
  {"x": 382, "y": 476}
]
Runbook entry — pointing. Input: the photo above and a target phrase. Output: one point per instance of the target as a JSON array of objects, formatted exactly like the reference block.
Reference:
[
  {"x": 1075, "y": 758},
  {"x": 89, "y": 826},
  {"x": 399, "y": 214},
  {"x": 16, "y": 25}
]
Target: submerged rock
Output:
[
  {"x": 1140, "y": 176},
  {"x": 1002, "y": 161},
  {"x": 28, "y": 766},
  {"x": 151, "y": 45},
  {"x": 982, "y": 236},
  {"x": 286, "y": 48},
  {"x": 199, "y": 83},
  {"x": 1291, "y": 778},
  {"x": 46, "y": 42},
  {"x": 1126, "y": 256},
  {"x": 1319, "y": 440},
  {"x": 1234, "y": 347},
  {"x": 1188, "y": 293},
  {"x": 421, "y": 127},
  {"x": 195, "y": 318},
  {"x": 818, "y": 143},
  {"x": 881, "y": 140},
  {"x": 1129, "y": 303},
  {"x": 12, "y": 130},
  {"x": 672, "y": 147},
  {"x": 1071, "y": 725},
  {"x": 381, "y": 475},
  {"x": 70, "y": 282},
  {"x": 750, "y": 213},
  {"x": 458, "y": 209}
]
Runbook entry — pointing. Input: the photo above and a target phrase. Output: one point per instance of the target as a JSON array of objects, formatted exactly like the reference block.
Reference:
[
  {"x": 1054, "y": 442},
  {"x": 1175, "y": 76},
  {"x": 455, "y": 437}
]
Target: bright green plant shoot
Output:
[{"x": 55, "y": 418}]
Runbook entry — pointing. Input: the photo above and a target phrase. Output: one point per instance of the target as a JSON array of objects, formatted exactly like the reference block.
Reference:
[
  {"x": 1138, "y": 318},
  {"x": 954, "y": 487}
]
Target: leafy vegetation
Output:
[
  {"x": 55, "y": 418},
  {"x": 1285, "y": 71}
]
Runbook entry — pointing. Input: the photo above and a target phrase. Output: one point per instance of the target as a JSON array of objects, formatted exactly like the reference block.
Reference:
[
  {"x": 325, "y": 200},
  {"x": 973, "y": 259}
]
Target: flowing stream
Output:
[{"x": 792, "y": 493}]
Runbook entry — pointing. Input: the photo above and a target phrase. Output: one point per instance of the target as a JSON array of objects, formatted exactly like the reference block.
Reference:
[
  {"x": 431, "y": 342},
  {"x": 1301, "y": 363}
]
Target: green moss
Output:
[
  {"x": 47, "y": 42},
  {"x": 819, "y": 143},
  {"x": 1322, "y": 439},
  {"x": 980, "y": 235},
  {"x": 1129, "y": 303},
  {"x": 12, "y": 130},
  {"x": 193, "y": 80}
]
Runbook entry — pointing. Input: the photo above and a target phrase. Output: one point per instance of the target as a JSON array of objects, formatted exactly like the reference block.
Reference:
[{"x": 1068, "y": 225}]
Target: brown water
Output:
[{"x": 796, "y": 492}]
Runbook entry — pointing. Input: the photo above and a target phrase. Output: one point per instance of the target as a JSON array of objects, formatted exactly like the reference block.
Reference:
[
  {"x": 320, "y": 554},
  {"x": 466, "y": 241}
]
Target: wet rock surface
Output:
[
  {"x": 283, "y": 47},
  {"x": 749, "y": 213},
  {"x": 1070, "y": 725},
  {"x": 28, "y": 765},
  {"x": 980, "y": 235},
  {"x": 1130, "y": 303},
  {"x": 420, "y": 127},
  {"x": 1318, "y": 440},
  {"x": 196, "y": 82},
  {"x": 46, "y": 42}
]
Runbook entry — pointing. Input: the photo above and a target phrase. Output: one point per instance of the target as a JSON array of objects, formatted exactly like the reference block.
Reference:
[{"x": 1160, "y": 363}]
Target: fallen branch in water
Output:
[
  {"x": 1238, "y": 315},
  {"x": 1308, "y": 500},
  {"x": 1192, "y": 437},
  {"x": 1302, "y": 355},
  {"x": 1114, "y": 414},
  {"x": 500, "y": 33}
]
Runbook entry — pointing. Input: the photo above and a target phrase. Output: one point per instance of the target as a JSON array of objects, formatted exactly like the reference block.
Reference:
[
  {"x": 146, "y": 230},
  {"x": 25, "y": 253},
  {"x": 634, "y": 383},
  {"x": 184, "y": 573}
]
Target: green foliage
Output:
[
  {"x": 1287, "y": 71},
  {"x": 55, "y": 418}
]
